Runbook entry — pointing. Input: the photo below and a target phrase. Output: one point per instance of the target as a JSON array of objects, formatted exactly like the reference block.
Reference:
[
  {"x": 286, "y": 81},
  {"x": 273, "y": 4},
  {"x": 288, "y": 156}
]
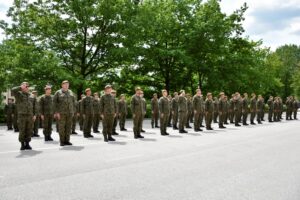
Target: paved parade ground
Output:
[{"x": 259, "y": 162}]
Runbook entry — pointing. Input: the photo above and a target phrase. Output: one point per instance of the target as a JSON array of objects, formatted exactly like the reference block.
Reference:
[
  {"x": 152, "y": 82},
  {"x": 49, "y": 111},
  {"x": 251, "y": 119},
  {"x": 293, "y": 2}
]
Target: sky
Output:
[{"x": 275, "y": 22}]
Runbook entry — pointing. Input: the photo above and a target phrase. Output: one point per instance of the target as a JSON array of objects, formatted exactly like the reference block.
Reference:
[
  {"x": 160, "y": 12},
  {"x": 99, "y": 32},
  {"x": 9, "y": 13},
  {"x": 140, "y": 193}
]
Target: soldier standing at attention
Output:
[
  {"x": 174, "y": 110},
  {"x": 281, "y": 108},
  {"x": 144, "y": 105},
  {"x": 26, "y": 113},
  {"x": 216, "y": 109},
  {"x": 122, "y": 108},
  {"x": 81, "y": 120},
  {"x": 262, "y": 115},
  {"x": 164, "y": 110},
  {"x": 154, "y": 111},
  {"x": 87, "y": 113},
  {"x": 96, "y": 118},
  {"x": 245, "y": 109},
  {"x": 231, "y": 109},
  {"x": 114, "y": 94},
  {"x": 170, "y": 114},
  {"x": 35, "y": 132},
  {"x": 260, "y": 108},
  {"x": 15, "y": 118},
  {"x": 226, "y": 109},
  {"x": 189, "y": 110},
  {"x": 64, "y": 107},
  {"x": 271, "y": 108},
  {"x": 9, "y": 113},
  {"x": 46, "y": 111},
  {"x": 137, "y": 110},
  {"x": 198, "y": 109},
  {"x": 108, "y": 108},
  {"x": 202, "y": 116},
  {"x": 295, "y": 108},
  {"x": 209, "y": 109},
  {"x": 75, "y": 117},
  {"x": 222, "y": 107},
  {"x": 237, "y": 108},
  {"x": 276, "y": 117},
  {"x": 253, "y": 108},
  {"x": 182, "y": 111}
]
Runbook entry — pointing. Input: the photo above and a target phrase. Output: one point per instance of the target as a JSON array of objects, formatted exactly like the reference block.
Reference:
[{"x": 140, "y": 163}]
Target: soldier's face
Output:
[
  {"x": 108, "y": 91},
  {"x": 48, "y": 91},
  {"x": 165, "y": 93},
  {"x": 65, "y": 86},
  {"x": 199, "y": 93},
  {"x": 88, "y": 93}
]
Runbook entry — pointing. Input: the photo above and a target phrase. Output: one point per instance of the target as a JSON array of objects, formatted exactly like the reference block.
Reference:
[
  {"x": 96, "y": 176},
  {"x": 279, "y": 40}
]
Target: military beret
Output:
[
  {"x": 137, "y": 88},
  {"x": 47, "y": 87},
  {"x": 87, "y": 89},
  {"x": 25, "y": 83},
  {"x": 108, "y": 86},
  {"x": 65, "y": 81}
]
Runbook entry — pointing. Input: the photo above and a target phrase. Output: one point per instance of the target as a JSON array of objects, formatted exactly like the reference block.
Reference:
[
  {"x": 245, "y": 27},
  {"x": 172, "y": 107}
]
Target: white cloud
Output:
[{"x": 275, "y": 22}]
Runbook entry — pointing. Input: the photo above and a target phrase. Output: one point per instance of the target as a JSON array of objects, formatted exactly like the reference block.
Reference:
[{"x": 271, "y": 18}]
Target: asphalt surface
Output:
[{"x": 259, "y": 162}]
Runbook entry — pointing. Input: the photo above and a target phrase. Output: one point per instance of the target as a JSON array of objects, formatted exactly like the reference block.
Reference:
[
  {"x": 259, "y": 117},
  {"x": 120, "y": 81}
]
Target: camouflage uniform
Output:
[
  {"x": 222, "y": 107},
  {"x": 64, "y": 104},
  {"x": 122, "y": 107},
  {"x": 209, "y": 109},
  {"x": 9, "y": 112},
  {"x": 46, "y": 109},
  {"x": 174, "y": 110},
  {"x": 216, "y": 109},
  {"x": 108, "y": 108},
  {"x": 88, "y": 113},
  {"x": 75, "y": 117},
  {"x": 271, "y": 109},
  {"x": 260, "y": 108},
  {"x": 245, "y": 110},
  {"x": 97, "y": 115},
  {"x": 295, "y": 108},
  {"x": 164, "y": 110},
  {"x": 182, "y": 112},
  {"x": 252, "y": 110},
  {"x": 155, "y": 112},
  {"x": 198, "y": 109},
  {"x": 137, "y": 110}
]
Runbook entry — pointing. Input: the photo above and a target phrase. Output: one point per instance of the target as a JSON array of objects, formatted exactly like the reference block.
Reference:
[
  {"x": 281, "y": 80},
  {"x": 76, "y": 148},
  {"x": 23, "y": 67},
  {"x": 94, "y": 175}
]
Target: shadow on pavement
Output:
[
  {"x": 175, "y": 136},
  {"x": 72, "y": 148},
  {"x": 149, "y": 133},
  {"x": 194, "y": 134},
  {"x": 117, "y": 143},
  {"x": 121, "y": 136},
  {"x": 51, "y": 142},
  {"x": 26, "y": 153},
  {"x": 148, "y": 139},
  {"x": 94, "y": 138}
]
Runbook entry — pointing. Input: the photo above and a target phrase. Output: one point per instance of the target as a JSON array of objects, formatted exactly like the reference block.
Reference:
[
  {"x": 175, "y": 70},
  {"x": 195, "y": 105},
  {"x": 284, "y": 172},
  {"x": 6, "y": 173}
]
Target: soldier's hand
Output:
[
  {"x": 133, "y": 115},
  {"x": 102, "y": 116},
  {"x": 42, "y": 117},
  {"x": 115, "y": 115},
  {"x": 195, "y": 111},
  {"x": 152, "y": 112},
  {"x": 78, "y": 114},
  {"x": 162, "y": 115},
  {"x": 34, "y": 118},
  {"x": 83, "y": 116},
  {"x": 57, "y": 116}
]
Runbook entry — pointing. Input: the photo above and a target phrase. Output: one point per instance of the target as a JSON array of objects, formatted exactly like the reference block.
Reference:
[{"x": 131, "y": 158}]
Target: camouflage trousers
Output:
[
  {"x": 197, "y": 120},
  {"x": 245, "y": 116},
  {"x": 174, "y": 119},
  {"x": 115, "y": 124},
  {"x": 137, "y": 123},
  {"x": 163, "y": 123},
  {"x": 252, "y": 116},
  {"x": 47, "y": 124},
  {"x": 25, "y": 124},
  {"x": 270, "y": 115},
  {"x": 87, "y": 124},
  {"x": 108, "y": 122},
  {"x": 221, "y": 119},
  {"x": 74, "y": 121},
  {"x": 36, "y": 125},
  {"x": 154, "y": 118},
  {"x": 65, "y": 127},
  {"x": 96, "y": 121},
  {"x": 9, "y": 121},
  {"x": 182, "y": 115},
  {"x": 122, "y": 120},
  {"x": 208, "y": 119}
]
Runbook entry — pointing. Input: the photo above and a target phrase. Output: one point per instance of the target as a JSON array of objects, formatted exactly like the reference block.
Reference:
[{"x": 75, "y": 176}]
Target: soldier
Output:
[
  {"x": 26, "y": 114},
  {"x": 271, "y": 108},
  {"x": 46, "y": 111},
  {"x": 253, "y": 108},
  {"x": 262, "y": 115},
  {"x": 295, "y": 108},
  {"x": 154, "y": 111},
  {"x": 182, "y": 111},
  {"x": 226, "y": 109},
  {"x": 75, "y": 117},
  {"x": 260, "y": 108},
  {"x": 245, "y": 109},
  {"x": 35, "y": 132},
  {"x": 202, "y": 115},
  {"x": 216, "y": 110},
  {"x": 108, "y": 108},
  {"x": 137, "y": 110},
  {"x": 96, "y": 118},
  {"x": 198, "y": 109},
  {"x": 87, "y": 113},
  {"x": 281, "y": 108},
  {"x": 164, "y": 110},
  {"x": 174, "y": 110},
  {"x": 276, "y": 116},
  {"x": 231, "y": 109},
  {"x": 64, "y": 108},
  {"x": 114, "y": 93},
  {"x": 9, "y": 113},
  {"x": 122, "y": 108},
  {"x": 15, "y": 118},
  {"x": 144, "y": 105},
  {"x": 81, "y": 120},
  {"x": 237, "y": 109},
  {"x": 170, "y": 114},
  {"x": 209, "y": 109},
  {"x": 222, "y": 106},
  {"x": 189, "y": 110}
]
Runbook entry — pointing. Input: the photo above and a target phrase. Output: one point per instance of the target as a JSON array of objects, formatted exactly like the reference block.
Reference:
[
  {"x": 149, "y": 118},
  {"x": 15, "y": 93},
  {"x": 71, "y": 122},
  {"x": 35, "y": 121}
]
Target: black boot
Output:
[
  {"x": 46, "y": 138},
  {"x": 50, "y": 138},
  {"x": 111, "y": 139},
  {"x": 22, "y": 146},
  {"x": 27, "y": 146}
]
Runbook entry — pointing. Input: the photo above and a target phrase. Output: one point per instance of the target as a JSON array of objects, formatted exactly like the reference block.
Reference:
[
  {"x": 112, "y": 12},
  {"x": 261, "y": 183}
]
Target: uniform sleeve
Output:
[
  {"x": 160, "y": 106},
  {"x": 101, "y": 105},
  {"x": 35, "y": 106},
  {"x": 41, "y": 105},
  {"x": 15, "y": 91},
  {"x": 55, "y": 102},
  {"x": 132, "y": 105},
  {"x": 115, "y": 105},
  {"x": 82, "y": 107}
]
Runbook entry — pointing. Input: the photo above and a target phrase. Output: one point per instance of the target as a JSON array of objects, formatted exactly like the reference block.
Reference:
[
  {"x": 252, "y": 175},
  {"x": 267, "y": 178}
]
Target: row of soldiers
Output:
[{"x": 181, "y": 109}]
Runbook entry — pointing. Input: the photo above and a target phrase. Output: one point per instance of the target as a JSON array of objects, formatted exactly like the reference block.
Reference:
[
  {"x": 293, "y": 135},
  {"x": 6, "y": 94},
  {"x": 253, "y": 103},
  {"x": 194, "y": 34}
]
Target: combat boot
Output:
[
  {"x": 22, "y": 146},
  {"x": 27, "y": 146}
]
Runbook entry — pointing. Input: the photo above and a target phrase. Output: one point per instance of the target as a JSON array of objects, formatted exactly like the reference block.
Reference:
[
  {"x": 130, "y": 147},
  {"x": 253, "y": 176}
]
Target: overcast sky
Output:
[{"x": 276, "y": 22}]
